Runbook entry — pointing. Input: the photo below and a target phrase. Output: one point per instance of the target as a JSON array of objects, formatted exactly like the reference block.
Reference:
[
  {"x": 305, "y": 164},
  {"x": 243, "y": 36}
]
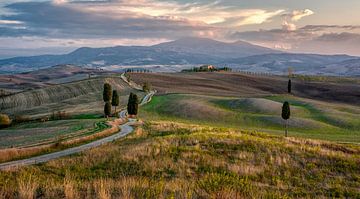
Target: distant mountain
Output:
[
  {"x": 301, "y": 63},
  {"x": 215, "y": 48},
  {"x": 188, "y": 52},
  {"x": 347, "y": 67},
  {"x": 179, "y": 52}
]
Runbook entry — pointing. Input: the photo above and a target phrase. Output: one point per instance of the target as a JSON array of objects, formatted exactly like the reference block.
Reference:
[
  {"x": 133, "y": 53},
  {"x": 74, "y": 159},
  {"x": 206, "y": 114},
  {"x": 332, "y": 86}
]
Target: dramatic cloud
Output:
[
  {"x": 311, "y": 39},
  {"x": 296, "y": 15},
  {"x": 144, "y": 22},
  {"x": 133, "y": 19}
]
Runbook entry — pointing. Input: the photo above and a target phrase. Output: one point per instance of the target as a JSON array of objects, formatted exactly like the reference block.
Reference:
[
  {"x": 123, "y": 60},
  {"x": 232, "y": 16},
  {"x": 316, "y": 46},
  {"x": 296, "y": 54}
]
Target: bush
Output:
[{"x": 5, "y": 121}]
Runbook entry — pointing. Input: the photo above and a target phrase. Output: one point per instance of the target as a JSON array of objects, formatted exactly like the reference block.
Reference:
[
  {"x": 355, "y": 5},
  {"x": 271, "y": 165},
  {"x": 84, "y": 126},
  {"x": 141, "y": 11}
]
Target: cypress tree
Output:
[
  {"x": 285, "y": 114},
  {"x": 107, "y": 109},
  {"x": 115, "y": 99},
  {"x": 289, "y": 86},
  {"x": 133, "y": 104},
  {"x": 107, "y": 92}
]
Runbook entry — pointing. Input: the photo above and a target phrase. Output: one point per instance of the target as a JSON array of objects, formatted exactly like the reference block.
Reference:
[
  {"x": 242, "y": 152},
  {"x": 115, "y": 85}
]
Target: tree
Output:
[
  {"x": 115, "y": 99},
  {"x": 289, "y": 86},
  {"x": 5, "y": 121},
  {"x": 133, "y": 104},
  {"x": 146, "y": 87},
  {"x": 107, "y": 109},
  {"x": 107, "y": 92},
  {"x": 285, "y": 114}
]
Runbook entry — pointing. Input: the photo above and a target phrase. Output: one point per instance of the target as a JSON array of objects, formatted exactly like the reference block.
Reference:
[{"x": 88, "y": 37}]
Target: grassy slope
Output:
[
  {"x": 46, "y": 132},
  {"x": 172, "y": 160},
  {"x": 310, "y": 118}
]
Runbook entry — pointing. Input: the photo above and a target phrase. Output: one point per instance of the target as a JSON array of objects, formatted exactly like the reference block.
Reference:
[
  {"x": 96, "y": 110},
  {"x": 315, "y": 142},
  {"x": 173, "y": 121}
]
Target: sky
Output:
[{"x": 30, "y": 27}]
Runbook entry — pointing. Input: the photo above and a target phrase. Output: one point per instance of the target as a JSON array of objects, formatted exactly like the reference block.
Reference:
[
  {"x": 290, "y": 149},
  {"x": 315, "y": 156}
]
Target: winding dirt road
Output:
[{"x": 125, "y": 130}]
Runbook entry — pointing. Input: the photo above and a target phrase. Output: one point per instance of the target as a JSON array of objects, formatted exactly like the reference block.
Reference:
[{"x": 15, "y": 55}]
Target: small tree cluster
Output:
[
  {"x": 111, "y": 98},
  {"x": 206, "y": 69},
  {"x": 137, "y": 70},
  {"x": 133, "y": 104}
]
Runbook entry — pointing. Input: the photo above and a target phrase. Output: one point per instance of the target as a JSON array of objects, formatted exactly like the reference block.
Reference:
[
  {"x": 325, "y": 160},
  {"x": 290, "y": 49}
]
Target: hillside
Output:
[
  {"x": 77, "y": 97},
  {"x": 48, "y": 76},
  {"x": 244, "y": 85},
  {"x": 301, "y": 64},
  {"x": 174, "y": 160}
]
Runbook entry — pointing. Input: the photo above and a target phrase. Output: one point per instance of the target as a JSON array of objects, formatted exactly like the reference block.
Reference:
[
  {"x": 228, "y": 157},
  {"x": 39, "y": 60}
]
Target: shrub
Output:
[{"x": 5, "y": 121}]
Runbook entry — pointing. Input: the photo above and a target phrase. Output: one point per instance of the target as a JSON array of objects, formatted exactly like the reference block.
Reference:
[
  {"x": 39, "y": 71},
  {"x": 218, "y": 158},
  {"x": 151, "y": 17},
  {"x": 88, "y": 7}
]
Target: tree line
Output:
[{"x": 111, "y": 99}]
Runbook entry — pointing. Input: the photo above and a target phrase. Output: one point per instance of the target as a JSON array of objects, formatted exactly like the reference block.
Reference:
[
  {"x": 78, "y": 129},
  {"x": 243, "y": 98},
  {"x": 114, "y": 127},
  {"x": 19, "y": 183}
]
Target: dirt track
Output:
[{"x": 237, "y": 84}]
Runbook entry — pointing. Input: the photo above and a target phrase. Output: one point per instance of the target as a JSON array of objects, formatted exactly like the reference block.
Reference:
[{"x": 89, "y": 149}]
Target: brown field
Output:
[
  {"x": 74, "y": 98},
  {"x": 242, "y": 85},
  {"x": 45, "y": 77}
]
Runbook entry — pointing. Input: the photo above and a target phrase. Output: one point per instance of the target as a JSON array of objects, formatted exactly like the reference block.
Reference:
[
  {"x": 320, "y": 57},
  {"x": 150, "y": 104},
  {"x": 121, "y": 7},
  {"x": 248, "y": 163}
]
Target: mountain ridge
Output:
[{"x": 188, "y": 52}]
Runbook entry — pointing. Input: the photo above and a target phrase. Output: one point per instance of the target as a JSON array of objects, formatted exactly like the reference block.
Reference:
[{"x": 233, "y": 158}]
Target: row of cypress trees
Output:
[{"x": 111, "y": 98}]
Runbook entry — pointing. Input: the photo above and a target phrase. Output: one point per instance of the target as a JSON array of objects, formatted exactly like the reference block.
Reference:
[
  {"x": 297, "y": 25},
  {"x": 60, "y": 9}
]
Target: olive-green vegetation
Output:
[
  {"x": 310, "y": 118},
  {"x": 115, "y": 101},
  {"x": 289, "y": 86},
  {"x": 285, "y": 114},
  {"x": 174, "y": 160},
  {"x": 133, "y": 104},
  {"x": 107, "y": 109},
  {"x": 4, "y": 120},
  {"x": 107, "y": 92}
]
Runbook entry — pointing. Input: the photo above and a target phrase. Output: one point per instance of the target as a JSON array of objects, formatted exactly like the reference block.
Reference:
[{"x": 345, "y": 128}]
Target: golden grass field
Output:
[{"x": 175, "y": 160}]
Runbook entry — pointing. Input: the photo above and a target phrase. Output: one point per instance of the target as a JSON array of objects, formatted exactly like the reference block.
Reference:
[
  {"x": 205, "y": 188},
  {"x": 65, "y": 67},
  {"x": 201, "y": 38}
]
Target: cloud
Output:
[
  {"x": 294, "y": 16},
  {"x": 131, "y": 19},
  {"x": 71, "y": 21},
  {"x": 9, "y": 22},
  {"x": 310, "y": 38}
]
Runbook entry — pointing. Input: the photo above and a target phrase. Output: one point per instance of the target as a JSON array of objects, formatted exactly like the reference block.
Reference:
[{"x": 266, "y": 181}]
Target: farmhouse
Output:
[{"x": 207, "y": 67}]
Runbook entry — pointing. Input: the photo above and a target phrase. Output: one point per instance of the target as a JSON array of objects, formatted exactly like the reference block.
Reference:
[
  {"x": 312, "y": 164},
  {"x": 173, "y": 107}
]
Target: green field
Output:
[
  {"x": 309, "y": 118},
  {"x": 37, "y": 133}
]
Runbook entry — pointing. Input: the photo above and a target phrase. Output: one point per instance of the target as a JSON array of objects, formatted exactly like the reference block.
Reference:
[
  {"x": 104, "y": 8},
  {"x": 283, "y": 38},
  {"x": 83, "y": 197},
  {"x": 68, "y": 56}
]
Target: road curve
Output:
[{"x": 125, "y": 130}]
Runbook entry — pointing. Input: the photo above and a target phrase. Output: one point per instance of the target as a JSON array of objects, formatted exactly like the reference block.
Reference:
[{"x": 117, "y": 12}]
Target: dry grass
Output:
[
  {"x": 174, "y": 160},
  {"x": 21, "y": 153},
  {"x": 27, "y": 186}
]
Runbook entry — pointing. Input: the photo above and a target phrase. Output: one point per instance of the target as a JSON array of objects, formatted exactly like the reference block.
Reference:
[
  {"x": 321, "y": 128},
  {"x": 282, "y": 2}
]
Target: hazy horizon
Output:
[{"x": 33, "y": 27}]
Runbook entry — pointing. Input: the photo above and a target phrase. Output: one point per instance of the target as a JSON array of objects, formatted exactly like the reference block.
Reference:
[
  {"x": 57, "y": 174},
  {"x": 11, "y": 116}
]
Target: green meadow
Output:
[{"x": 309, "y": 118}]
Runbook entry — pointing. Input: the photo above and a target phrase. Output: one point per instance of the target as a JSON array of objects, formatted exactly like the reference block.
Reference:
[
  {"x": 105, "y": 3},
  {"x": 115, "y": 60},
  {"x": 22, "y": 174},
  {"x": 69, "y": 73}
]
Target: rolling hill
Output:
[
  {"x": 187, "y": 52},
  {"x": 75, "y": 98}
]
